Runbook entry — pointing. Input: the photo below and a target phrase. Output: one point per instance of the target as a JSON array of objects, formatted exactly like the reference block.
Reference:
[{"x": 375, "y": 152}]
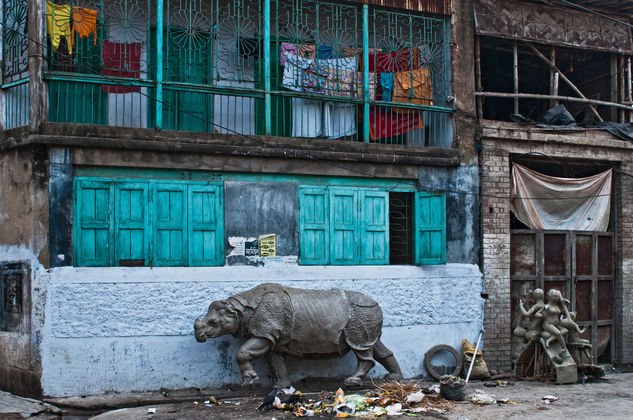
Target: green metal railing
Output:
[
  {"x": 299, "y": 68},
  {"x": 15, "y": 61}
]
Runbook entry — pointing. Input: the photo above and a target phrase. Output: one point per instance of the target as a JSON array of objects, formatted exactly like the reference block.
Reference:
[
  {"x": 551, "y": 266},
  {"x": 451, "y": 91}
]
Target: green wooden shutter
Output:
[
  {"x": 313, "y": 225},
  {"x": 186, "y": 110},
  {"x": 94, "y": 227},
  {"x": 374, "y": 227},
  {"x": 131, "y": 222},
  {"x": 430, "y": 228},
  {"x": 169, "y": 203},
  {"x": 206, "y": 225},
  {"x": 344, "y": 226}
]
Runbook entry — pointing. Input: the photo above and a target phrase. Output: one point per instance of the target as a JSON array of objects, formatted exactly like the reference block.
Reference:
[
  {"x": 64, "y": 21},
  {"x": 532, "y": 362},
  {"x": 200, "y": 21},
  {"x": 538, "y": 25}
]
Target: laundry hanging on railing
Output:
[
  {"x": 63, "y": 21},
  {"x": 121, "y": 60},
  {"x": 546, "y": 202},
  {"x": 58, "y": 24},
  {"x": 384, "y": 122},
  {"x": 84, "y": 23},
  {"x": 316, "y": 118}
]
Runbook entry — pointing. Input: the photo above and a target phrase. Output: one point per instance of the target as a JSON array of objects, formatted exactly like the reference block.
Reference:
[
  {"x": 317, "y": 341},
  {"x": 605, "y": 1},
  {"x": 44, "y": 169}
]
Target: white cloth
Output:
[
  {"x": 307, "y": 118},
  {"x": 341, "y": 120},
  {"x": 293, "y": 71},
  {"x": 547, "y": 202}
]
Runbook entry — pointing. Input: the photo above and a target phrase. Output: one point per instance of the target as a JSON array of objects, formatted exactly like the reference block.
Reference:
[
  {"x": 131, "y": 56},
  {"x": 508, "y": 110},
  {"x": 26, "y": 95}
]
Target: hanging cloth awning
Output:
[{"x": 547, "y": 202}]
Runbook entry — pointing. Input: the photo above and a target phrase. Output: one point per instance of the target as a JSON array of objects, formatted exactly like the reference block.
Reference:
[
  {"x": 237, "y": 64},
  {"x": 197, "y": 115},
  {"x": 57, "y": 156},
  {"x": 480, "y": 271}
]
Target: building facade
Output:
[
  {"x": 158, "y": 155},
  {"x": 531, "y": 60}
]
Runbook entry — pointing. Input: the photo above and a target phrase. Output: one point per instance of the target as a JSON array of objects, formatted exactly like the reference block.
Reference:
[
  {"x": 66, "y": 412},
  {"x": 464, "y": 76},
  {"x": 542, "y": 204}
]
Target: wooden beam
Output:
[
  {"x": 515, "y": 75},
  {"x": 560, "y": 98},
  {"x": 553, "y": 78},
  {"x": 478, "y": 86},
  {"x": 562, "y": 76}
]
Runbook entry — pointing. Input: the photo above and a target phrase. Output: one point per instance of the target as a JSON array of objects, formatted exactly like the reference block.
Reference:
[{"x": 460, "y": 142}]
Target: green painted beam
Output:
[
  {"x": 133, "y": 173},
  {"x": 267, "y": 97},
  {"x": 366, "y": 73},
  {"x": 159, "y": 64}
]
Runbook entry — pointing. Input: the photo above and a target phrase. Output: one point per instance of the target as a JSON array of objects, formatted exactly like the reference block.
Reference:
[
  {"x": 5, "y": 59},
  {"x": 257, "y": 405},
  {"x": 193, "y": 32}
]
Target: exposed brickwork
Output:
[
  {"x": 495, "y": 185},
  {"x": 495, "y": 218},
  {"x": 623, "y": 296}
]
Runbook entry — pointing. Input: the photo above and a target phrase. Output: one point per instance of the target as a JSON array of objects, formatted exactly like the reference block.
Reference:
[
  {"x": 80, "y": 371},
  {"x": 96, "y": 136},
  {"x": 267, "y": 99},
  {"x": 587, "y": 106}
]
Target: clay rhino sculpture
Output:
[{"x": 309, "y": 324}]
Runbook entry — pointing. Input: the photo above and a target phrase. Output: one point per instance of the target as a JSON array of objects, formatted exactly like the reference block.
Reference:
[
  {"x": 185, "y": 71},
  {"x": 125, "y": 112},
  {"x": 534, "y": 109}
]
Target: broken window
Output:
[
  {"x": 532, "y": 57},
  {"x": 597, "y": 75}
]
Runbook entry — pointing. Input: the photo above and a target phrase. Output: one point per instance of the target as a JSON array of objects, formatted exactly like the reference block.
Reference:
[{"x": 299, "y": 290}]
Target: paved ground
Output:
[
  {"x": 610, "y": 399},
  {"x": 14, "y": 407}
]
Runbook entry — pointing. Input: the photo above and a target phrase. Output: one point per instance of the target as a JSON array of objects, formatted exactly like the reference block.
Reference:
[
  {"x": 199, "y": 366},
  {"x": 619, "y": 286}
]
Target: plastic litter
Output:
[
  {"x": 344, "y": 410},
  {"x": 340, "y": 396},
  {"x": 482, "y": 398},
  {"x": 548, "y": 399},
  {"x": 394, "y": 410},
  {"x": 151, "y": 411},
  {"x": 414, "y": 397}
]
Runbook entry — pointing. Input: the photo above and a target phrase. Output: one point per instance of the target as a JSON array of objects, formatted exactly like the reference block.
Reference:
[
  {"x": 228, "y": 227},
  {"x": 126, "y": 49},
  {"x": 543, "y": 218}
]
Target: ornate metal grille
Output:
[
  {"x": 286, "y": 68},
  {"x": 15, "y": 60}
]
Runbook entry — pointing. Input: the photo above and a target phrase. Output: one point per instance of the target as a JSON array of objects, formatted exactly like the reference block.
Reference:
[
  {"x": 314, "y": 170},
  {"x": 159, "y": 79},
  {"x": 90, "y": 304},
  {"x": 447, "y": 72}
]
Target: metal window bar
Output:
[{"x": 283, "y": 68}]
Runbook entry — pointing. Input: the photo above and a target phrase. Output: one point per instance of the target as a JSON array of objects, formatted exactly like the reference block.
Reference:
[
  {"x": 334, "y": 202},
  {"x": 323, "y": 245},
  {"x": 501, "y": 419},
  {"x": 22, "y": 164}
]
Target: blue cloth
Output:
[
  {"x": 386, "y": 82},
  {"x": 324, "y": 52}
]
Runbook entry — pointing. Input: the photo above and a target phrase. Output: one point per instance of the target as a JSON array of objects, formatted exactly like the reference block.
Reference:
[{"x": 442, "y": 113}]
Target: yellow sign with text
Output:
[{"x": 267, "y": 245}]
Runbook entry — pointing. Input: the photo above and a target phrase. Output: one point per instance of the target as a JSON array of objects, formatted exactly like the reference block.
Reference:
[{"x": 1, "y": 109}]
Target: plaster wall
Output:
[
  {"x": 462, "y": 208},
  {"x": 23, "y": 237},
  {"x": 122, "y": 329}
]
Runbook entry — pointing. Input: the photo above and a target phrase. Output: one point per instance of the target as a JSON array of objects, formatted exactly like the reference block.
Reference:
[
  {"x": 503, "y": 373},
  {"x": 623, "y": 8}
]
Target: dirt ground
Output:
[{"x": 611, "y": 398}]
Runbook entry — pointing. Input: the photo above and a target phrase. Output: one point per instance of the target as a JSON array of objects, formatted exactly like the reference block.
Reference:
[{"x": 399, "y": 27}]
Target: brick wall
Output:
[
  {"x": 623, "y": 296},
  {"x": 495, "y": 213}
]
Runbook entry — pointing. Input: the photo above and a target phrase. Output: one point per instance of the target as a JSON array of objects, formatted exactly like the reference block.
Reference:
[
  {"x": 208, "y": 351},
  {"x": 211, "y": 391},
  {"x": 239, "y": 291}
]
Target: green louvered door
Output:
[
  {"x": 169, "y": 202},
  {"x": 314, "y": 229},
  {"x": 131, "y": 223},
  {"x": 344, "y": 226},
  {"x": 374, "y": 227},
  {"x": 430, "y": 228},
  {"x": 94, "y": 227},
  {"x": 205, "y": 227}
]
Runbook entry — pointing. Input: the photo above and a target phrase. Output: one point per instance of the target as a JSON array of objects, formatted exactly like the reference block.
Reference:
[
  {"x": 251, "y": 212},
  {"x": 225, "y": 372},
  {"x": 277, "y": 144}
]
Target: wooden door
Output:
[{"x": 580, "y": 265}]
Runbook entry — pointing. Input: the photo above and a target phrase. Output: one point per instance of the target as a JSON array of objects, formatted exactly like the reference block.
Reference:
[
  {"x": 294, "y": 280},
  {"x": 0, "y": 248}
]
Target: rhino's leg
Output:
[
  {"x": 253, "y": 348},
  {"x": 278, "y": 366},
  {"x": 385, "y": 357},
  {"x": 365, "y": 363}
]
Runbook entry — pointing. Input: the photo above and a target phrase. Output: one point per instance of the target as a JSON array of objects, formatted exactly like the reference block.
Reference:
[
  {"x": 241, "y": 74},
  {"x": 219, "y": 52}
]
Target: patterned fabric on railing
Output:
[{"x": 104, "y": 54}]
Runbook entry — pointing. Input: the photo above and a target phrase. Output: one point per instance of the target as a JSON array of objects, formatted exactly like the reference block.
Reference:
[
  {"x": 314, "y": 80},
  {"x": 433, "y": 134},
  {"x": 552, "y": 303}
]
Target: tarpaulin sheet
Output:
[{"x": 547, "y": 202}]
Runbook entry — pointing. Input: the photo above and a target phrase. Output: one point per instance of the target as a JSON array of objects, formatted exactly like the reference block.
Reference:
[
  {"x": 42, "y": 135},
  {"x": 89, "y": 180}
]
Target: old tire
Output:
[{"x": 435, "y": 349}]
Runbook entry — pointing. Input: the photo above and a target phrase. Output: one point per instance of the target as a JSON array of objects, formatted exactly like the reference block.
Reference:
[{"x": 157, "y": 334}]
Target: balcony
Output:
[{"x": 294, "y": 69}]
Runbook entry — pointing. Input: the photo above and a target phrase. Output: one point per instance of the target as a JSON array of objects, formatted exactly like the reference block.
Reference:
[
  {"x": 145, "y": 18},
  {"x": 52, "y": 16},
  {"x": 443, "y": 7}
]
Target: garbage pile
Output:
[{"x": 391, "y": 398}]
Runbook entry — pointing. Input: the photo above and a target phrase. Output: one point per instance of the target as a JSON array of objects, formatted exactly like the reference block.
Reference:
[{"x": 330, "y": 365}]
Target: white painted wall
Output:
[{"x": 123, "y": 329}]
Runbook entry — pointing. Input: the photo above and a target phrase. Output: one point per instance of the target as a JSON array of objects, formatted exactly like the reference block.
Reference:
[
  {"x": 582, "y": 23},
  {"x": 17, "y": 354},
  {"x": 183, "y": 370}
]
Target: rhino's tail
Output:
[{"x": 365, "y": 324}]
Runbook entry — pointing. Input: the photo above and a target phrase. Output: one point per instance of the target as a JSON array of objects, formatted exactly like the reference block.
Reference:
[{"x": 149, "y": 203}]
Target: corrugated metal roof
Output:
[{"x": 442, "y": 7}]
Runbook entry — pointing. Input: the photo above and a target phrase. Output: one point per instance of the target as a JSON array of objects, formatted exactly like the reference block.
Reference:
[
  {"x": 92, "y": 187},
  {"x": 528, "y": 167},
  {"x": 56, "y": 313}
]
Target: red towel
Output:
[
  {"x": 391, "y": 61},
  {"x": 385, "y": 122},
  {"x": 121, "y": 60}
]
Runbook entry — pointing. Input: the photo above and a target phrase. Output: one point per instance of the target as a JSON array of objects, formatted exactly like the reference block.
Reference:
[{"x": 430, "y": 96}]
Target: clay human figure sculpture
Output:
[
  {"x": 574, "y": 333},
  {"x": 552, "y": 329},
  {"x": 534, "y": 314},
  {"x": 310, "y": 324}
]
